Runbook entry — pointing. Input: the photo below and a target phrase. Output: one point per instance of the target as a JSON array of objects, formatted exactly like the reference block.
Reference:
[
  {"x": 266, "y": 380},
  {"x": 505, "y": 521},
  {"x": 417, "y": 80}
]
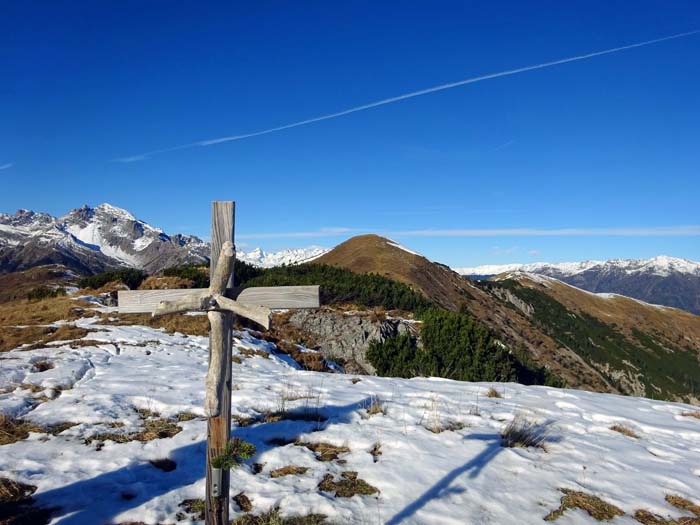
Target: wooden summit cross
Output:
[{"x": 221, "y": 301}]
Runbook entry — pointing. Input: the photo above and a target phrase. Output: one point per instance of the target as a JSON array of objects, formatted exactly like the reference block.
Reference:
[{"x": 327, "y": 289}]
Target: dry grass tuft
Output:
[
  {"x": 245, "y": 421},
  {"x": 243, "y": 502},
  {"x": 376, "y": 407},
  {"x": 25, "y": 313},
  {"x": 16, "y": 505},
  {"x": 355, "y": 380},
  {"x": 521, "y": 433},
  {"x": 289, "y": 470},
  {"x": 626, "y": 430},
  {"x": 273, "y": 517},
  {"x": 191, "y": 508},
  {"x": 38, "y": 336},
  {"x": 248, "y": 352},
  {"x": 695, "y": 414},
  {"x": 647, "y": 518},
  {"x": 184, "y": 324},
  {"x": 185, "y": 416},
  {"x": 13, "y": 491},
  {"x": 447, "y": 426},
  {"x": 43, "y": 365},
  {"x": 593, "y": 505},
  {"x": 324, "y": 451},
  {"x": 347, "y": 486},
  {"x": 492, "y": 392},
  {"x": 154, "y": 428},
  {"x": 684, "y": 504},
  {"x": 165, "y": 283},
  {"x": 13, "y": 430}
]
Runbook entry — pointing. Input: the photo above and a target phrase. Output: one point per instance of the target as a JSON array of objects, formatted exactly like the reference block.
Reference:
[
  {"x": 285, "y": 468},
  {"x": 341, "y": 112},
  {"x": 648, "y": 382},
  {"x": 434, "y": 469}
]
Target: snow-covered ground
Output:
[{"x": 456, "y": 476}]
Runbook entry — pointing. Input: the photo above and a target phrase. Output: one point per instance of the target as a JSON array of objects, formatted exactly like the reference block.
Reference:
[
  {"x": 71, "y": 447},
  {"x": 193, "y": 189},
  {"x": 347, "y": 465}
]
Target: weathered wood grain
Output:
[
  {"x": 216, "y": 374},
  {"x": 188, "y": 303},
  {"x": 219, "y": 427},
  {"x": 146, "y": 301},
  {"x": 224, "y": 269},
  {"x": 259, "y": 314}
]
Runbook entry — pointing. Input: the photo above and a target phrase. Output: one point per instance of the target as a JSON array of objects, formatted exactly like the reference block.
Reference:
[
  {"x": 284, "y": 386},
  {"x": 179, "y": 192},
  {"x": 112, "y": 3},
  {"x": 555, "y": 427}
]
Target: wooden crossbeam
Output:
[{"x": 276, "y": 297}]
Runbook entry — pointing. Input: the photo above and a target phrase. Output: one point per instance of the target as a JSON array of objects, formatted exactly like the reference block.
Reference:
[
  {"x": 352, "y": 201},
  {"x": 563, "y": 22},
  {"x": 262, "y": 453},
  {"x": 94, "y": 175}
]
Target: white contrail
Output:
[
  {"x": 405, "y": 96},
  {"x": 645, "y": 231}
]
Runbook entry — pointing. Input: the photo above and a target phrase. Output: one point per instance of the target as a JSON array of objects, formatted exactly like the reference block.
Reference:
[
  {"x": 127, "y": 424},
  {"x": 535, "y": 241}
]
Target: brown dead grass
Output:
[
  {"x": 289, "y": 470},
  {"x": 347, "y": 486},
  {"x": 684, "y": 504},
  {"x": 191, "y": 508},
  {"x": 647, "y": 518},
  {"x": 324, "y": 451},
  {"x": 248, "y": 352},
  {"x": 22, "y": 312},
  {"x": 17, "y": 285},
  {"x": 155, "y": 427},
  {"x": 243, "y": 502},
  {"x": 593, "y": 505},
  {"x": 493, "y": 393},
  {"x": 185, "y": 416},
  {"x": 13, "y": 429},
  {"x": 273, "y": 517},
  {"x": 165, "y": 283},
  {"x": 376, "y": 407},
  {"x": 626, "y": 430},
  {"x": 14, "y": 491},
  {"x": 185, "y": 324},
  {"x": 695, "y": 414},
  {"x": 12, "y": 337},
  {"x": 16, "y": 505}
]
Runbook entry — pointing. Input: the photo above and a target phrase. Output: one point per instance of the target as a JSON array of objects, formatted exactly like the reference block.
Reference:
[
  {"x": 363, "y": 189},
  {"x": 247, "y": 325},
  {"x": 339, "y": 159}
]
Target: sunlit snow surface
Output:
[{"x": 453, "y": 477}]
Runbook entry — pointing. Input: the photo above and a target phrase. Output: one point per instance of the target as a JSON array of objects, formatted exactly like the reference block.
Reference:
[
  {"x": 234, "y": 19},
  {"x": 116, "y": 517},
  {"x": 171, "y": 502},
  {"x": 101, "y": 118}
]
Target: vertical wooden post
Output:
[{"x": 219, "y": 427}]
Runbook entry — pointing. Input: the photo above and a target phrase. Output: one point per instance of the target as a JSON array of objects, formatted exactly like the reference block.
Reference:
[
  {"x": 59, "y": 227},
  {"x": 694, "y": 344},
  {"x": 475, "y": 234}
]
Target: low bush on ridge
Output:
[{"x": 454, "y": 346}]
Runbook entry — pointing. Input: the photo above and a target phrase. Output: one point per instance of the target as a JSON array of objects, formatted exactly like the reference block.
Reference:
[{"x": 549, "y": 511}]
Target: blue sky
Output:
[{"x": 542, "y": 165}]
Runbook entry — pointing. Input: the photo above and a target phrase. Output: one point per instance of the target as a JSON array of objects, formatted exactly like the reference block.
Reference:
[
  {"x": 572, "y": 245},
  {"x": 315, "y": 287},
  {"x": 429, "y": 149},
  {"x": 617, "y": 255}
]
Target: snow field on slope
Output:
[{"x": 452, "y": 477}]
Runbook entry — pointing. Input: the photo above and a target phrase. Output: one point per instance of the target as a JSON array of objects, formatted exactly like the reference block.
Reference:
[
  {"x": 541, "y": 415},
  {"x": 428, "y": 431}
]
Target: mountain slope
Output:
[
  {"x": 375, "y": 254},
  {"x": 534, "y": 321},
  {"x": 643, "y": 349},
  {"x": 91, "y": 240},
  {"x": 661, "y": 280}
]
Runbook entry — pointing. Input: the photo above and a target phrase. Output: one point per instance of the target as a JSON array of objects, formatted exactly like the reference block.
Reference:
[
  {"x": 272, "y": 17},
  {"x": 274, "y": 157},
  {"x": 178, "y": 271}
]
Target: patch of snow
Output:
[{"x": 402, "y": 247}]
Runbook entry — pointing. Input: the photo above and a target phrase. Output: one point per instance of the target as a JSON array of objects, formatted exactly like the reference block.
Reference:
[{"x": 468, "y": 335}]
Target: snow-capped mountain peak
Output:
[
  {"x": 92, "y": 239},
  {"x": 263, "y": 259},
  {"x": 666, "y": 280},
  {"x": 659, "y": 265}
]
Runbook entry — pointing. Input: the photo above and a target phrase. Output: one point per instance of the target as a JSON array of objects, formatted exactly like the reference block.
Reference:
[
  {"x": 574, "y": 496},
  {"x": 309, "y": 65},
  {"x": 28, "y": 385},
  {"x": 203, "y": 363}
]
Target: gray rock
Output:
[{"x": 345, "y": 337}]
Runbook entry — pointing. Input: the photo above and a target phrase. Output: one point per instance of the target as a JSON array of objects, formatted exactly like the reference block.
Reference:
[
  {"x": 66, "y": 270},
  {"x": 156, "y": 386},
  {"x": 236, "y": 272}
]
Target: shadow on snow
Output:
[{"x": 101, "y": 499}]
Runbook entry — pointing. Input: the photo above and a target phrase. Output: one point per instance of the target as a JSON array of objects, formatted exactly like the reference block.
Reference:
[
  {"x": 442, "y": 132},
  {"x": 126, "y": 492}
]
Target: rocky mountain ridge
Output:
[
  {"x": 663, "y": 280},
  {"x": 91, "y": 240}
]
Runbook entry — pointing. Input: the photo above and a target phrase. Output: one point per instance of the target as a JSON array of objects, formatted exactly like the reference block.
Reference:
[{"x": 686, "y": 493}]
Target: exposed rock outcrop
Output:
[{"x": 345, "y": 336}]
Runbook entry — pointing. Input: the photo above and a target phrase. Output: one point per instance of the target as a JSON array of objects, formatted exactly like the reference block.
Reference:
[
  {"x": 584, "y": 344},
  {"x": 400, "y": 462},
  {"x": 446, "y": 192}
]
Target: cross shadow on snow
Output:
[
  {"x": 99, "y": 500},
  {"x": 474, "y": 467}
]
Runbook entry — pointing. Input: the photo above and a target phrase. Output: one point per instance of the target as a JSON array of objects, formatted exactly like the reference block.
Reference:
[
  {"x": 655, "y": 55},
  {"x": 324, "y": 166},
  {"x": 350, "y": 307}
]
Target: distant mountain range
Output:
[
  {"x": 91, "y": 240},
  {"x": 661, "y": 280}
]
